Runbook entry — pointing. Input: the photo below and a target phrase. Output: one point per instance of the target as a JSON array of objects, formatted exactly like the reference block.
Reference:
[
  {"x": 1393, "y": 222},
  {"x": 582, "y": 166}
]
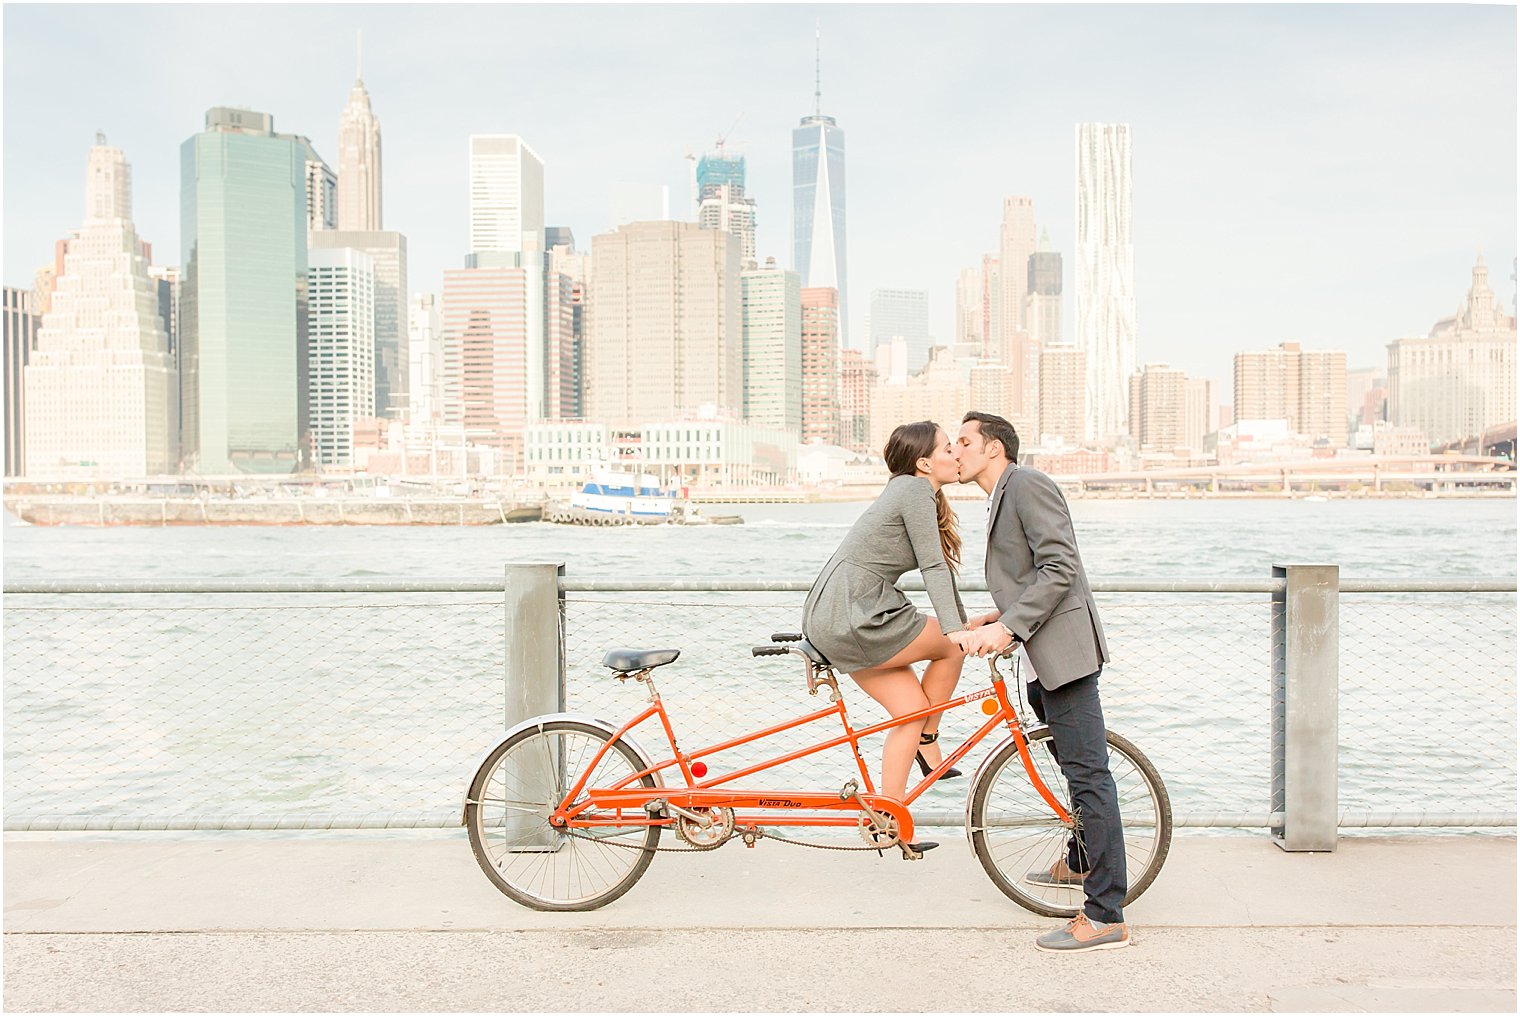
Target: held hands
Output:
[
  {"x": 989, "y": 637},
  {"x": 981, "y": 619}
]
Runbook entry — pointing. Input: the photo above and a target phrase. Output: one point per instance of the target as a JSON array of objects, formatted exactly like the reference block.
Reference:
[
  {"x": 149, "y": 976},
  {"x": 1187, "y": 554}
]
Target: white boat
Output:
[{"x": 639, "y": 496}]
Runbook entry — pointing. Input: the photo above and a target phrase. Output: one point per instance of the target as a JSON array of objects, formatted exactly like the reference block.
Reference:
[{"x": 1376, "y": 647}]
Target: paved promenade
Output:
[{"x": 409, "y": 923}]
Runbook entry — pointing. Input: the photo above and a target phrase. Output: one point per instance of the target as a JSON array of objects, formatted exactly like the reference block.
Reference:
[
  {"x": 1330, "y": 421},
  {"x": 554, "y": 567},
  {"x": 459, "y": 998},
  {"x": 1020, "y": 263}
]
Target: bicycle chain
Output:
[{"x": 760, "y": 834}]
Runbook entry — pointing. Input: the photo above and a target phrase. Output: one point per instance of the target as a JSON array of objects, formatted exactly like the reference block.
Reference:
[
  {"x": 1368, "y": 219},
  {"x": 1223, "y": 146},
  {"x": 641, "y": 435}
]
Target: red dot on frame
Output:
[{"x": 699, "y": 769}]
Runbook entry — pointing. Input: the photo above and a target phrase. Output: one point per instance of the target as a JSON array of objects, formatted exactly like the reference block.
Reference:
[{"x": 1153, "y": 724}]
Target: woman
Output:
[{"x": 858, "y": 618}]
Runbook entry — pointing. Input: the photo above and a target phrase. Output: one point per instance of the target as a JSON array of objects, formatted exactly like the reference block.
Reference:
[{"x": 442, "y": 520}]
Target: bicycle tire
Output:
[
  {"x": 1003, "y": 796},
  {"x": 525, "y": 857}
]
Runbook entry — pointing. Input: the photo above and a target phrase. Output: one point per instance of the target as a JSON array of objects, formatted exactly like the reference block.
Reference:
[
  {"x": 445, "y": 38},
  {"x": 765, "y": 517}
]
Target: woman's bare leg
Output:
[
  {"x": 896, "y": 686},
  {"x": 940, "y": 678}
]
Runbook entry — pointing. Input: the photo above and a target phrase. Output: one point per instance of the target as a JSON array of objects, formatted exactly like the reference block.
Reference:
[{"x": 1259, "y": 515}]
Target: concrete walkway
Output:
[{"x": 410, "y": 923}]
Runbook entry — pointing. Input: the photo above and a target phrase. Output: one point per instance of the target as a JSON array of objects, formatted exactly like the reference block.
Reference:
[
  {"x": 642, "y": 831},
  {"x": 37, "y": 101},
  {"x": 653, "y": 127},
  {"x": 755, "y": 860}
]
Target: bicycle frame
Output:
[{"x": 787, "y": 808}]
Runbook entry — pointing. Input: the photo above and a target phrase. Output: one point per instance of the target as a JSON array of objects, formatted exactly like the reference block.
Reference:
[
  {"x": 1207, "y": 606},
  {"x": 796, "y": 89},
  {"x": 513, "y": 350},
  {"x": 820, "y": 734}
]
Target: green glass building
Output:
[{"x": 243, "y": 221}]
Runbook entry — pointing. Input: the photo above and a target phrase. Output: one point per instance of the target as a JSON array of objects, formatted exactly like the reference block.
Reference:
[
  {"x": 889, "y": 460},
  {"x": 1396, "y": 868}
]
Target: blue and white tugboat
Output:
[{"x": 626, "y": 495}]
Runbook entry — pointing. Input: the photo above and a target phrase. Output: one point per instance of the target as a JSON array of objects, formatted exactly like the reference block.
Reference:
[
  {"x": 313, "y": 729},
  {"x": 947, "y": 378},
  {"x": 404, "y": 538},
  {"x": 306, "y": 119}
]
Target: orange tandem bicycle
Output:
[{"x": 565, "y": 811}]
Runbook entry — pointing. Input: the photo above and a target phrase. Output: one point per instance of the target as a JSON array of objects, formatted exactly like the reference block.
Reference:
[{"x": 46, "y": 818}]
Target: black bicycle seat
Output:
[{"x": 627, "y": 660}]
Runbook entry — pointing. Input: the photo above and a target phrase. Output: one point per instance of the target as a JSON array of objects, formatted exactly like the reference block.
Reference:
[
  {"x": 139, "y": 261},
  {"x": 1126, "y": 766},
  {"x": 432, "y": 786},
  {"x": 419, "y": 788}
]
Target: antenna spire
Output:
[
  {"x": 359, "y": 70},
  {"x": 818, "y": 68}
]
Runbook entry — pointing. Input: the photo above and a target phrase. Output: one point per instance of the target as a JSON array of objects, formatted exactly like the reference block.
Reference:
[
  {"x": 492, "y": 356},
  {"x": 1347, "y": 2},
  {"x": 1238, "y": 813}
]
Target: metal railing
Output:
[{"x": 365, "y": 704}]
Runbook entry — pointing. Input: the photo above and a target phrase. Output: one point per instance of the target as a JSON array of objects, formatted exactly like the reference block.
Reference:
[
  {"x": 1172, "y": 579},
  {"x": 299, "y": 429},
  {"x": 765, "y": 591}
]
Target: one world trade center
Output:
[{"x": 818, "y": 251}]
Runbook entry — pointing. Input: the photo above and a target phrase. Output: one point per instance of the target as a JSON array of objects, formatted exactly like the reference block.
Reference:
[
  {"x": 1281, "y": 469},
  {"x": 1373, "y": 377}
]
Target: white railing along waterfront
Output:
[{"x": 365, "y": 704}]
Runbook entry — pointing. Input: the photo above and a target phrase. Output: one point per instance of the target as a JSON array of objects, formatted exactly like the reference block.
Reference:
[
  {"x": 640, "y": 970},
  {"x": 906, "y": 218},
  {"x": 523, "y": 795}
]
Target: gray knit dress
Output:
[{"x": 855, "y": 614}]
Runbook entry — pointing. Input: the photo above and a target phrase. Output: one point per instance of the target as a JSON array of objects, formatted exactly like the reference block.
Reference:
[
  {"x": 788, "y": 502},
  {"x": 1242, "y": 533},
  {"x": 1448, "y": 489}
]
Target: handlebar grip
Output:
[
  {"x": 787, "y": 636},
  {"x": 770, "y": 650}
]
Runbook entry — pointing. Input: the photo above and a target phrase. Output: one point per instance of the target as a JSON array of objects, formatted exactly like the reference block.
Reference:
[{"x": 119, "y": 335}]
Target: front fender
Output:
[
  {"x": 1030, "y": 733},
  {"x": 538, "y": 722}
]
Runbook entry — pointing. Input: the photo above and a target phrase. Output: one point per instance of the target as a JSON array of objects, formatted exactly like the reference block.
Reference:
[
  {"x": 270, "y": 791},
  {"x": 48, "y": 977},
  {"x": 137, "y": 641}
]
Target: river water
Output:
[{"x": 271, "y": 706}]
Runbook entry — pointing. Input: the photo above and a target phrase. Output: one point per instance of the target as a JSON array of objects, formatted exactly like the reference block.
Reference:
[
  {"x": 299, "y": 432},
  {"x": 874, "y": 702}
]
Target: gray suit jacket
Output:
[{"x": 1037, "y": 580}]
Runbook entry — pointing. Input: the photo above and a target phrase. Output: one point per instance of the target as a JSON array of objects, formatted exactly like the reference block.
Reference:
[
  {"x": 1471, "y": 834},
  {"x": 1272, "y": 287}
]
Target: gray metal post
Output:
[
  {"x": 535, "y": 638},
  {"x": 535, "y": 684},
  {"x": 1305, "y": 703}
]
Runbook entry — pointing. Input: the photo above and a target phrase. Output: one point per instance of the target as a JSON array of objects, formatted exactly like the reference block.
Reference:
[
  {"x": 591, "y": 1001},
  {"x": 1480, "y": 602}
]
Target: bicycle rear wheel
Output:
[
  {"x": 1015, "y": 834},
  {"x": 512, "y": 796}
]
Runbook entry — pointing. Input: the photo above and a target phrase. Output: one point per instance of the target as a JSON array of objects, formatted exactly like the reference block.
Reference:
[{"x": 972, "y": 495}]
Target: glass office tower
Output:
[
  {"x": 243, "y": 298},
  {"x": 818, "y": 247}
]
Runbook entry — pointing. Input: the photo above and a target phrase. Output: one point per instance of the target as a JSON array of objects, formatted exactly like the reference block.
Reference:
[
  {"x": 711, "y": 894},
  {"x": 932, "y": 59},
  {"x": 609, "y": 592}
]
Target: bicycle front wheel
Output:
[
  {"x": 1015, "y": 834},
  {"x": 517, "y": 789}
]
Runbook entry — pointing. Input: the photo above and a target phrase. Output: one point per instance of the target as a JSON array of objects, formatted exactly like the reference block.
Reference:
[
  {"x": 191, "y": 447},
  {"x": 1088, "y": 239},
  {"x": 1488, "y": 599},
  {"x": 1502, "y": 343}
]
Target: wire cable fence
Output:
[{"x": 369, "y": 709}]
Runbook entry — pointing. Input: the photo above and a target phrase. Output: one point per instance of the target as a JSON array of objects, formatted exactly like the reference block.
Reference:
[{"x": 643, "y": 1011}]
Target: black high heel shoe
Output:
[{"x": 923, "y": 763}]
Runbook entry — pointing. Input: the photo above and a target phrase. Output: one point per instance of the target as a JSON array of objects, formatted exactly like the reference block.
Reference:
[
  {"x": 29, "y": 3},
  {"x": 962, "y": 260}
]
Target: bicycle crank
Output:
[{"x": 704, "y": 828}]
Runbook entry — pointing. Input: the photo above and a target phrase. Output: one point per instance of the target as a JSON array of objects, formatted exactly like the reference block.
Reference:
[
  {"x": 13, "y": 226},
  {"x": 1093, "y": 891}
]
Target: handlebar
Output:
[{"x": 770, "y": 651}]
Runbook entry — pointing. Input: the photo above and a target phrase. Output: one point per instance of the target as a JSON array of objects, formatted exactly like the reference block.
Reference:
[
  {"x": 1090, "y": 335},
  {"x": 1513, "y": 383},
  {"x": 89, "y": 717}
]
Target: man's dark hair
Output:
[{"x": 995, "y": 428}]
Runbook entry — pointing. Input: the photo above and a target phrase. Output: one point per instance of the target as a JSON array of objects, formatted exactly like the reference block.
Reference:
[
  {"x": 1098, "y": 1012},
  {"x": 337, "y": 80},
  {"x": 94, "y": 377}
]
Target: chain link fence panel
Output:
[{"x": 350, "y": 711}]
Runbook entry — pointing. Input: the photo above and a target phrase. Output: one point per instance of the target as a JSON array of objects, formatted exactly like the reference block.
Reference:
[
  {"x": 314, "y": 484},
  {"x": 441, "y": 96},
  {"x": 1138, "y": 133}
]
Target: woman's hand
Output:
[
  {"x": 960, "y": 638},
  {"x": 981, "y": 619}
]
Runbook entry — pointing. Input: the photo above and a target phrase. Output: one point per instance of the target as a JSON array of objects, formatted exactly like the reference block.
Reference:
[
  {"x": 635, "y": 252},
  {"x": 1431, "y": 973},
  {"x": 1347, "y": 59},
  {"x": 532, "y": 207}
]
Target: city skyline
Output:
[{"x": 1287, "y": 202}]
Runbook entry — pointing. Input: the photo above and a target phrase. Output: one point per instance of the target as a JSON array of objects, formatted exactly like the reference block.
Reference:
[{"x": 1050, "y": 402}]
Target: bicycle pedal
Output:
[
  {"x": 909, "y": 854},
  {"x": 849, "y": 790}
]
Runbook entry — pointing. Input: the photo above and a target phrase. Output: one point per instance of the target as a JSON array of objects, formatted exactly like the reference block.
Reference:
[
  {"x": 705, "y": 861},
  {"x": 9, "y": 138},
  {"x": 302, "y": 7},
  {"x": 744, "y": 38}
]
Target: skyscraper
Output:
[
  {"x": 1043, "y": 303},
  {"x": 771, "y": 310},
  {"x": 1307, "y": 389},
  {"x": 492, "y": 374},
  {"x": 1063, "y": 396},
  {"x": 857, "y": 382},
  {"x": 387, "y": 250},
  {"x": 818, "y": 219},
  {"x": 820, "y": 366},
  {"x": 359, "y": 194},
  {"x": 506, "y": 196},
  {"x": 663, "y": 333},
  {"x": 968, "y": 309},
  {"x": 20, "y": 334},
  {"x": 1158, "y": 408},
  {"x": 1105, "y": 274},
  {"x": 424, "y": 348},
  {"x": 100, "y": 383},
  {"x": 1016, "y": 242},
  {"x": 904, "y": 314},
  {"x": 722, "y": 203},
  {"x": 243, "y": 222},
  {"x": 341, "y": 349}
]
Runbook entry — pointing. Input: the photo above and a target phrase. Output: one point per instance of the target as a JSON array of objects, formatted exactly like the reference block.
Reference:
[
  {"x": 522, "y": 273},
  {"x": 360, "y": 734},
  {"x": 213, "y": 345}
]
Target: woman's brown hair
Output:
[{"x": 909, "y": 443}]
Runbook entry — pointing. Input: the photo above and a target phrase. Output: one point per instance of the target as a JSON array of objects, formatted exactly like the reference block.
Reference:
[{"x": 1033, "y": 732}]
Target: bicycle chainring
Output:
[
  {"x": 710, "y": 837},
  {"x": 883, "y": 834}
]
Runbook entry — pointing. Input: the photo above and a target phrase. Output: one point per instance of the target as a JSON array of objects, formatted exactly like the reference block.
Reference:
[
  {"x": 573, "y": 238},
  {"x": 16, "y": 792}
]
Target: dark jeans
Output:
[{"x": 1077, "y": 742}]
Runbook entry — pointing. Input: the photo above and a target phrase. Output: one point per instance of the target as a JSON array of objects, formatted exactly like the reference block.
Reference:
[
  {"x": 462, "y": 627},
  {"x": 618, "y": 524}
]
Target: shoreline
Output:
[{"x": 102, "y": 511}]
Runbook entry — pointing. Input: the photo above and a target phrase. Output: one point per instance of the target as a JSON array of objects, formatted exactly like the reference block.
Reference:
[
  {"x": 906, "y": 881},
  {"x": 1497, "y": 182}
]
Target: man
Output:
[{"x": 1040, "y": 588}]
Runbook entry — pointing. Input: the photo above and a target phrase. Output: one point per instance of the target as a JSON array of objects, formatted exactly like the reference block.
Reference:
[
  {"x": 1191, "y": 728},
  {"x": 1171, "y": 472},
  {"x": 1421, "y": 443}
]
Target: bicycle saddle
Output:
[{"x": 626, "y": 660}]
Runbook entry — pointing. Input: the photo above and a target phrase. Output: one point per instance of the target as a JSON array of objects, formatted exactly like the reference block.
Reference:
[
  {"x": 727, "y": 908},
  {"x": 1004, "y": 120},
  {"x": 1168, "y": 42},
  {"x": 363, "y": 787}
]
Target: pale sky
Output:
[{"x": 1321, "y": 174}]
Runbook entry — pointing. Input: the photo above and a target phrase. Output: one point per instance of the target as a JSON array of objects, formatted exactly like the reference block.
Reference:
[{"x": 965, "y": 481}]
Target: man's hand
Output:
[
  {"x": 960, "y": 638},
  {"x": 981, "y": 619},
  {"x": 991, "y": 637}
]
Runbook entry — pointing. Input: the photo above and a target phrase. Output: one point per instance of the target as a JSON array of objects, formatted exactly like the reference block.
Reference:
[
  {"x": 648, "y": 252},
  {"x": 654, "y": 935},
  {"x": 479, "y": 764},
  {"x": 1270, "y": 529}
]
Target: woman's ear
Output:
[{"x": 925, "y": 466}]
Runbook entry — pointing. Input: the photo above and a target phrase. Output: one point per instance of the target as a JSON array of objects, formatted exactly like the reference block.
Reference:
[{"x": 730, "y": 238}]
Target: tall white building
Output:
[
  {"x": 387, "y": 249},
  {"x": 506, "y": 196},
  {"x": 100, "y": 384},
  {"x": 968, "y": 308},
  {"x": 340, "y": 285},
  {"x": 1016, "y": 242},
  {"x": 1105, "y": 275},
  {"x": 359, "y": 163},
  {"x": 771, "y": 308},
  {"x": 424, "y": 347},
  {"x": 1460, "y": 379}
]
